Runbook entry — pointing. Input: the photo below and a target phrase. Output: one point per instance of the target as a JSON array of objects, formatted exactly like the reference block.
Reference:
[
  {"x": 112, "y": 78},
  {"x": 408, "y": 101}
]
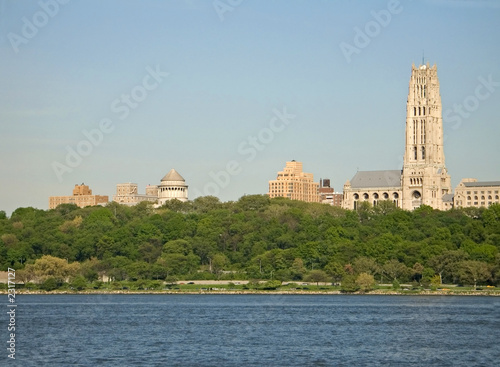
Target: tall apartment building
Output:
[
  {"x": 471, "y": 192},
  {"x": 82, "y": 196},
  {"x": 294, "y": 184},
  {"x": 424, "y": 179}
]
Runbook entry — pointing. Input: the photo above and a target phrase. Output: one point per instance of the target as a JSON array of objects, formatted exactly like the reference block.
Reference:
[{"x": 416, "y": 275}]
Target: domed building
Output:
[{"x": 173, "y": 186}]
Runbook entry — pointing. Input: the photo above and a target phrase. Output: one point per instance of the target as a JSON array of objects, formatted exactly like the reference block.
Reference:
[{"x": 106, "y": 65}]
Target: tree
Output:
[
  {"x": 473, "y": 272},
  {"x": 178, "y": 264},
  {"x": 394, "y": 269},
  {"x": 418, "y": 270},
  {"x": 79, "y": 283},
  {"x": 365, "y": 282},
  {"x": 317, "y": 276},
  {"x": 53, "y": 267},
  {"x": 9, "y": 239},
  {"x": 365, "y": 265},
  {"x": 385, "y": 207},
  {"x": 348, "y": 284},
  {"x": 297, "y": 269},
  {"x": 219, "y": 263},
  {"x": 335, "y": 270},
  {"x": 177, "y": 247},
  {"x": 50, "y": 283},
  {"x": 25, "y": 275},
  {"x": 446, "y": 263}
]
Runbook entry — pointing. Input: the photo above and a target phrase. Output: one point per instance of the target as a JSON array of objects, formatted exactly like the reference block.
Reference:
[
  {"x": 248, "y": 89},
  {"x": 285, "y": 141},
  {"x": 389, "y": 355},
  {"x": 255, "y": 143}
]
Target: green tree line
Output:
[{"x": 255, "y": 238}]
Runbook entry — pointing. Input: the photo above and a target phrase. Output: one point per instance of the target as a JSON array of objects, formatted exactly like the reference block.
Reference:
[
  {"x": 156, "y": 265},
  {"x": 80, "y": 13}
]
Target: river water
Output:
[{"x": 255, "y": 330}]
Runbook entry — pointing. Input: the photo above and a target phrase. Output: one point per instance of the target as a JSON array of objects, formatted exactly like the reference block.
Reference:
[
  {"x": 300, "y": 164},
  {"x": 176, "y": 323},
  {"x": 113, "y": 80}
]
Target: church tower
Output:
[{"x": 425, "y": 180}]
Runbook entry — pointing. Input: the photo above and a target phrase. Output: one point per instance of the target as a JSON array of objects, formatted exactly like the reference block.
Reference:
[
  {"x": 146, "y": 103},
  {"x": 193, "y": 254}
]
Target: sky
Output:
[{"x": 227, "y": 91}]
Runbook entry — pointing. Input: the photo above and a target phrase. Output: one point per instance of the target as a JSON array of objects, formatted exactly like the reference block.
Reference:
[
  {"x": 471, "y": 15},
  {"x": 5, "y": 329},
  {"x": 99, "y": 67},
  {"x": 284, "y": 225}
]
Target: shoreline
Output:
[{"x": 259, "y": 292}]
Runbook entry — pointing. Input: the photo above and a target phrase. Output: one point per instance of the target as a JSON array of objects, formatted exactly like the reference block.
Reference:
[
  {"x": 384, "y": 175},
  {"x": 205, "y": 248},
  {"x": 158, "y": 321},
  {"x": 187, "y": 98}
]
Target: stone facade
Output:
[
  {"x": 127, "y": 194},
  {"x": 424, "y": 179},
  {"x": 471, "y": 192},
  {"x": 173, "y": 186},
  {"x": 82, "y": 196},
  {"x": 373, "y": 186},
  {"x": 294, "y": 184}
]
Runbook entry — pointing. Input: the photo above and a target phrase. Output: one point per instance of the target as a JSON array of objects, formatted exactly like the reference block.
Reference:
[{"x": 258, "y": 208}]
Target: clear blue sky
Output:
[{"x": 65, "y": 69}]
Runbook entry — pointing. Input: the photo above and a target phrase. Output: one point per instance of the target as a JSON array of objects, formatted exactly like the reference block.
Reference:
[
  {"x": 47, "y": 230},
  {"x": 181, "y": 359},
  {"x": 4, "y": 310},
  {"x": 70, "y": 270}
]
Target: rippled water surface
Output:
[{"x": 255, "y": 330}]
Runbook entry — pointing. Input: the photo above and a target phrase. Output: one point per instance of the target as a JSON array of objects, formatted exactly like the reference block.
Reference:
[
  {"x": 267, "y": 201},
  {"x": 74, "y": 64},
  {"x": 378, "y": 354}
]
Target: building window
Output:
[
  {"x": 423, "y": 152},
  {"x": 365, "y": 196},
  {"x": 385, "y": 195},
  {"x": 356, "y": 196},
  {"x": 422, "y": 132},
  {"x": 415, "y": 151}
]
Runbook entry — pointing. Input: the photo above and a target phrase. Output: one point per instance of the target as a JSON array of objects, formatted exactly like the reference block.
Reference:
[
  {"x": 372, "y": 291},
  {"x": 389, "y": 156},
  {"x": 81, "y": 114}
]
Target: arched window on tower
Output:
[
  {"x": 423, "y": 131},
  {"x": 423, "y": 152},
  {"x": 419, "y": 111},
  {"x": 415, "y": 152},
  {"x": 424, "y": 110},
  {"x": 415, "y": 131},
  {"x": 414, "y": 111}
]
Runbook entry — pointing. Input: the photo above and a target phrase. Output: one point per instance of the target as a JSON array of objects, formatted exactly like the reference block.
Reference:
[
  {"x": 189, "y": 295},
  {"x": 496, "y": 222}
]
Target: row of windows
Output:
[
  {"x": 422, "y": 91},
  {"x": 483, "y": 197},
  {"x": 416, "y": 181},
  {"x": 415, "y": 152},
  {"x": 172, "y": 189},
  {"x": 420, "y": 110},
  {"x": 422, "y": 131},
  {"x": 482, "y": 192},
  {"x": 376, "y": 196}
]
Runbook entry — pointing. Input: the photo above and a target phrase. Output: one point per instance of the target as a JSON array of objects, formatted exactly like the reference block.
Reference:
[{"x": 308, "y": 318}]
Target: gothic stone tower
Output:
[{"x": 425, "y": 179}]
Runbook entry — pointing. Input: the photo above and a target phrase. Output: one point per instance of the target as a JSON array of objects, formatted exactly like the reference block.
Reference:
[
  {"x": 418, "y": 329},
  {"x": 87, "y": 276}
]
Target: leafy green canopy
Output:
[{"x": 258, "y": 237}]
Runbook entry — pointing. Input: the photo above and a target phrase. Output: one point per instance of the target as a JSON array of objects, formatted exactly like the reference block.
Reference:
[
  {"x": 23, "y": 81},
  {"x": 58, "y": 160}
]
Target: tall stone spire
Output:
[{"x": 425, "y": 179}]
